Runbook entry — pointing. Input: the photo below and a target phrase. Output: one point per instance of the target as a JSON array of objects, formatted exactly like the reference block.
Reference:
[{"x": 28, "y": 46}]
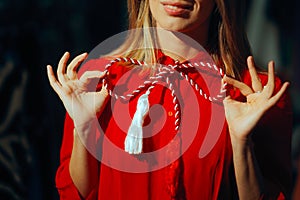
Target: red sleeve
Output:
[
  {"x": 272, "y": 146},
  {"x": 64, "y": 183},
  {"x": 272, "y": 142}
]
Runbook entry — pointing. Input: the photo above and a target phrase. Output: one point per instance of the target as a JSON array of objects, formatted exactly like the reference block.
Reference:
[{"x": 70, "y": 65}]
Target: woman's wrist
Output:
[
  {"x": 86, "y": 132},
  {"x": 241, "y": 143}
]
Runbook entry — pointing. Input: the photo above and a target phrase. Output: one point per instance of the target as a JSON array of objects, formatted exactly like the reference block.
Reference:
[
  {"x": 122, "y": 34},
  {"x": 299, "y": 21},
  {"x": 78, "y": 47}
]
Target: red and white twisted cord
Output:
[{"x": 164, "y": 72}]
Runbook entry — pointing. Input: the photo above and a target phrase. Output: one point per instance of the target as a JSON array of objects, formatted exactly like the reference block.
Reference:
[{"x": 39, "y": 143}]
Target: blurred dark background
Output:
[{"x": 35, "y": 33}]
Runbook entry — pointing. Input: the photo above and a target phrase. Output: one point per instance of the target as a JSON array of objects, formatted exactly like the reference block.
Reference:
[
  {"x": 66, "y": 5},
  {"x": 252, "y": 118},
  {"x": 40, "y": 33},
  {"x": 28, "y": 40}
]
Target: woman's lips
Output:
[{"x": 174, "y": 9}]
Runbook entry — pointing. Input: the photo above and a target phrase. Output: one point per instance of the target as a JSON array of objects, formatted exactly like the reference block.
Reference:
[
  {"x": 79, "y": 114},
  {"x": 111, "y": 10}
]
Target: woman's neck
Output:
[{"x": 183, "y": 45}]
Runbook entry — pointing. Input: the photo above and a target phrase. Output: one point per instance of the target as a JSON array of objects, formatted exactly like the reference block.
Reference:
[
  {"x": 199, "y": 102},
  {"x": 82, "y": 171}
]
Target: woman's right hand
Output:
[{"x": 80, "y": 103}]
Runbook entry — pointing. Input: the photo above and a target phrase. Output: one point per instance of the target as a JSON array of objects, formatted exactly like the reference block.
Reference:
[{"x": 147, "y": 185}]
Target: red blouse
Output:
[{"x": 208, "y": 175}]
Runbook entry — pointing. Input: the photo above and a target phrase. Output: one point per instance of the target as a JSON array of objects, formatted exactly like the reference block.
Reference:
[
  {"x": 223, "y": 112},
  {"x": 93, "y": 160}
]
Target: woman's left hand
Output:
[{"x": 243, "y": 116}]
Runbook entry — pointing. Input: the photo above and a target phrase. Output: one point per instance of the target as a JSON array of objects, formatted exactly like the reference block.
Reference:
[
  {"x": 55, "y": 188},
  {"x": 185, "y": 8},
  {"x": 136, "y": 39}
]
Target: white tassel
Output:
[{"x": 134, "y": 138}]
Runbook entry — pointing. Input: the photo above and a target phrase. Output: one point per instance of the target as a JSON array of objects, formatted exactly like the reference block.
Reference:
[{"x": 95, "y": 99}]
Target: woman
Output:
[{"x": 251, "y": 158}]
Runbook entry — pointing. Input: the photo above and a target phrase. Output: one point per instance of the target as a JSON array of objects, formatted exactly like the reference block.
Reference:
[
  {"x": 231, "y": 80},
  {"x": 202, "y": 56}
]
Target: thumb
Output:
[{"x": 89, "y": 75}]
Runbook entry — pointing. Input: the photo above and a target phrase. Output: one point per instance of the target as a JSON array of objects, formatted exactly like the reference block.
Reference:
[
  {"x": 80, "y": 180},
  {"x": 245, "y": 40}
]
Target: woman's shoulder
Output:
[{"x": 93, "y": 64}]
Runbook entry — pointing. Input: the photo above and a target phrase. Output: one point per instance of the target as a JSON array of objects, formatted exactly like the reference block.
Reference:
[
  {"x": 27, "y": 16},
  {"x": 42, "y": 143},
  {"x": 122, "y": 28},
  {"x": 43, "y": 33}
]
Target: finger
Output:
[
  {"x": 245, "y": 89},
  {"x": 279, "y": 94},
  {"x": 102, "y": 94},
  {"x": 269, "y": 88},
  {"x": 73, "y": 66},
  {"x": 61, "y": 70},
  {"x": 88, "y": 75},
  {"x": 53, "y": 82},
  {"x": 223, "y": 86},
  {"x": 256, "y": 82},
  {"x": 104, "y": 90}
]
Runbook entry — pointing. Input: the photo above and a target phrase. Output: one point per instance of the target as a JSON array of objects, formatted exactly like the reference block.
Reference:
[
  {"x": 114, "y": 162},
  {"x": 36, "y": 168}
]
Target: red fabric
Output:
[{"x": 211, "y": 177}]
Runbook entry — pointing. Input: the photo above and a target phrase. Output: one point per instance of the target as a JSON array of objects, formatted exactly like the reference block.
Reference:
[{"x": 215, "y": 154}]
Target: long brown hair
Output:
[
  {"x": 228, "y": 43},
  {"x": 231, "y": 44}
]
